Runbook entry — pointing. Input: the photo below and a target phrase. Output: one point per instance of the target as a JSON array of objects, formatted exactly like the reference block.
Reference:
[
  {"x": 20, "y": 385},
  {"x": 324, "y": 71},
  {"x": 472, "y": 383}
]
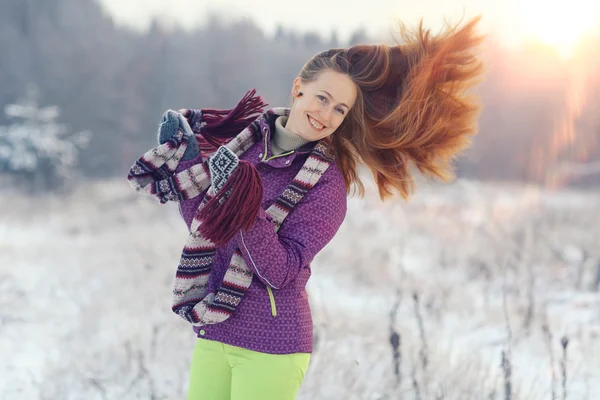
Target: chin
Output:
[{"x": 311, "y": 136}]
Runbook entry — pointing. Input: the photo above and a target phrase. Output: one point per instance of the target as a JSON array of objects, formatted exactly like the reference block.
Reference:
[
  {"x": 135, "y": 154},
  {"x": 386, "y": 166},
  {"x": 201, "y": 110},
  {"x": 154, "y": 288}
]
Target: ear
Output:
[{"x": 296, "y": 86}]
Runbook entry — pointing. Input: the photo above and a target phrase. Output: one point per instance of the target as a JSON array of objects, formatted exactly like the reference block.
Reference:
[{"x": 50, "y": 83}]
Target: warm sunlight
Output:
[{"x": 559, "y": 24}]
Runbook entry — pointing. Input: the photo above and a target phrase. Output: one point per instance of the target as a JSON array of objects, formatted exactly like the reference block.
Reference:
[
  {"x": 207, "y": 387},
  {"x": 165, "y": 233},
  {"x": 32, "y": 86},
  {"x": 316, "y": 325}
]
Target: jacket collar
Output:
[{"x": 267, "y": 127}]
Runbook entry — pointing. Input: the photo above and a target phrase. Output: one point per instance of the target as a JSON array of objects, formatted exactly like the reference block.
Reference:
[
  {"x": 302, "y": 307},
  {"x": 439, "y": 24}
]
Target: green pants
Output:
[{"x": 223, "y": 372}]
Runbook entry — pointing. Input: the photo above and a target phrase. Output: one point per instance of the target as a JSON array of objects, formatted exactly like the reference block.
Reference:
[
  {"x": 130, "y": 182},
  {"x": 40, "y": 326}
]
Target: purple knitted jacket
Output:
[{"x": 280, "y": 323}]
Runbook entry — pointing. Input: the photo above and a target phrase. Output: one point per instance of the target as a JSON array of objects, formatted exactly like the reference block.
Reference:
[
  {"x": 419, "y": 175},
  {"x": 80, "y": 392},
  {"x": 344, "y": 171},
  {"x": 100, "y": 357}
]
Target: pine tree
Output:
[{"x": 36, "y": 151}]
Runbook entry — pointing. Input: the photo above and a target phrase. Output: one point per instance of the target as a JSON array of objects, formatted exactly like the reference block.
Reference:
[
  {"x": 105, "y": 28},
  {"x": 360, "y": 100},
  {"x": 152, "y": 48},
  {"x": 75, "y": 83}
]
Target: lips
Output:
[{"x": 310, "y": 122}]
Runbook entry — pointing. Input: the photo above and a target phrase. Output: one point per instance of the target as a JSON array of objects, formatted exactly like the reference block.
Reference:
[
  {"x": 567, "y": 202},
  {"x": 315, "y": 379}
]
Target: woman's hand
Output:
[
  {"x": 193, "y": 117},
  {"x": 173, "y": 121}
]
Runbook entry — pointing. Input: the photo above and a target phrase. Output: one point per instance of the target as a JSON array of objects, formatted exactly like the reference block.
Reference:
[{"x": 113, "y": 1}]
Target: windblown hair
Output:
[{"x": 412, "y": 107}]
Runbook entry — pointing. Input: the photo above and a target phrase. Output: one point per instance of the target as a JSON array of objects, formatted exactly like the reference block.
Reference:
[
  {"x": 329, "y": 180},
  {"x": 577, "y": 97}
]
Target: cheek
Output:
[
  {"x": 310, "y": 104},
  {"x": 337, "y": 121},
  {"x": 302, "y": 106}
]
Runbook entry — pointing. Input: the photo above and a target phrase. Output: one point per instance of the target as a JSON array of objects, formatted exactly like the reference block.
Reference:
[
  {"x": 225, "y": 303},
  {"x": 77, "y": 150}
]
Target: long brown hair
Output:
[{"x": 412, "y": 107}]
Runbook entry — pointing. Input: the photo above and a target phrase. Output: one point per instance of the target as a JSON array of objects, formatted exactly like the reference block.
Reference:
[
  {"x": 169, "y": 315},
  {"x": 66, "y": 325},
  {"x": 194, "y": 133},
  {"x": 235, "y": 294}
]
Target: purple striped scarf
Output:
[{"x": 154, "y": 174}]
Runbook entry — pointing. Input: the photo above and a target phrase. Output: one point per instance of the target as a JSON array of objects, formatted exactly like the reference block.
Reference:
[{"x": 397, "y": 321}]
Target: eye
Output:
[
  {"x": 341, "y": 111},
  {"x": 323, "y": 99}
]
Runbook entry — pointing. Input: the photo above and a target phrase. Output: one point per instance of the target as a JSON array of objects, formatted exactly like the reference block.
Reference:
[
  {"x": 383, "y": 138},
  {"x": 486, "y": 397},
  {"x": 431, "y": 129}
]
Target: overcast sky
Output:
[
  {"x": 317, "y": 15},
  {"x": 508, "y": 19}
]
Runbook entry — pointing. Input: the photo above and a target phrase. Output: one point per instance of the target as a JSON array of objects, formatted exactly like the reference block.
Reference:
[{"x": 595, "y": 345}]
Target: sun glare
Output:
[{"x": 559, "y": 23}]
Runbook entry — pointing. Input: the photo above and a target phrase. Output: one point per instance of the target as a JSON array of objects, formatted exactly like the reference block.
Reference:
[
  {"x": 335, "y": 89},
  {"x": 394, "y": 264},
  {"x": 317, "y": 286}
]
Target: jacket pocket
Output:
[{"x": 272, "y": 300}]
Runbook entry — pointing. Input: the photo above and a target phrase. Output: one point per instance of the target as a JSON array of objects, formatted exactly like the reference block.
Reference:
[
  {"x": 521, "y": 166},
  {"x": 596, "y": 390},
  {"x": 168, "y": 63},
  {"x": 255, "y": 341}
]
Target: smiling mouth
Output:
[{"x": 316, "y": 125}]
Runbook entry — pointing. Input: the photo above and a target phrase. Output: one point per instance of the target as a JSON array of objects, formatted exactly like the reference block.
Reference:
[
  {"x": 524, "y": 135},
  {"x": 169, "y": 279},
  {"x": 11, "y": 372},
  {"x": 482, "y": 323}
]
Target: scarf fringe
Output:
[
  {"x": 234, "y": 207},
  {"x": 226, "y": 124}
]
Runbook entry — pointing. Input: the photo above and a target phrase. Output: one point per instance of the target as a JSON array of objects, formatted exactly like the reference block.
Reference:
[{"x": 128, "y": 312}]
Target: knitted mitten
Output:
[
  {"x": 221, "y": 166},
  {"x": 171, "y": 122}
]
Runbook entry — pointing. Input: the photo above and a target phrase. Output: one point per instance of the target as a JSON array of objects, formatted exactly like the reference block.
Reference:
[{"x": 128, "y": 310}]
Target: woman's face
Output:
[{"x": 323, "y": 105}]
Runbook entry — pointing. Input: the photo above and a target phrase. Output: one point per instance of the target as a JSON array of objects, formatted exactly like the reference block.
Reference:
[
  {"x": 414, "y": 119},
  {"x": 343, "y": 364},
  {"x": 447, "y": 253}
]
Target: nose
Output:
[{"x": 326, "y": 114}]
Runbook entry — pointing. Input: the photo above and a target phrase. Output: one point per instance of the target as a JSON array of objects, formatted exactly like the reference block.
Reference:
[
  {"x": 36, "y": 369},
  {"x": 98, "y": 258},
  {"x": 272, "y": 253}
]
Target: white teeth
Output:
[{"x": 314, "y": 123}]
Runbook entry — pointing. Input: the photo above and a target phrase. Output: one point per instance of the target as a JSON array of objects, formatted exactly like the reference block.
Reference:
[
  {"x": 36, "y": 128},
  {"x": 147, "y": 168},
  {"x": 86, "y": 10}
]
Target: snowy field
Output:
[{"x": 479, "y": 282}]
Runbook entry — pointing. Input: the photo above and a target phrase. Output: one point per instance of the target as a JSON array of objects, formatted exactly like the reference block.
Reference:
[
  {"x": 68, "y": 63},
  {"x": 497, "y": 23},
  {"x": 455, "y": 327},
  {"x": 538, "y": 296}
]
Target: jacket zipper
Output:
[
  {"x": 267, "y": 148},
  {"x": 269, "y": 290},
  {"x": 272, "y": 299}
]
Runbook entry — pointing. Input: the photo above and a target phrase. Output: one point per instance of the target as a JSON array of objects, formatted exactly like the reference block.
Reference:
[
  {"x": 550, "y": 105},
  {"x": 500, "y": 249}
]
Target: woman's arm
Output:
[
  {"x": 278, "y": 258},
  {"x": 188, "y": 208}
]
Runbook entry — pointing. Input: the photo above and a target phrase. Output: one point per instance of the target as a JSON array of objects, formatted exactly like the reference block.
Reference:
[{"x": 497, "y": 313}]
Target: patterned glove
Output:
[
  {"x": 194, "y": 118},
  {"x": 172, "y": 121},
  {"x": 221, "y": 165}
]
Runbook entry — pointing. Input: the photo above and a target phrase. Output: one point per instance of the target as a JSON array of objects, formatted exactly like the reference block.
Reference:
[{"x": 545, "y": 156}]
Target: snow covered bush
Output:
[{"x": 36, "y": 151}]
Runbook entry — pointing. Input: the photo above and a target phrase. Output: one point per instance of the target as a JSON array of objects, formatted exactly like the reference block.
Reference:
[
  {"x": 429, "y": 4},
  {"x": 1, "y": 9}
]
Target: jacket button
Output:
[
  {"x": 202, "y": 332},
  {"x": 260, "y": 155},
  {"x": 287, "y": 161}
]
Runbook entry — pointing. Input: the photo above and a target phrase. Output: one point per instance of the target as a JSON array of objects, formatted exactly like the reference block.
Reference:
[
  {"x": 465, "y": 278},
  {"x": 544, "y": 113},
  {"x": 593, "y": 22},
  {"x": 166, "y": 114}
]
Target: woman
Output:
[{"x": 261, "y": 206}]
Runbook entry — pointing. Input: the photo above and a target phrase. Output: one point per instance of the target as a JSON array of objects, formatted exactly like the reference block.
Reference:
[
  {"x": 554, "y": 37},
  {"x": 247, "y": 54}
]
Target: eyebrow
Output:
[{"x": 331, "y": 97}]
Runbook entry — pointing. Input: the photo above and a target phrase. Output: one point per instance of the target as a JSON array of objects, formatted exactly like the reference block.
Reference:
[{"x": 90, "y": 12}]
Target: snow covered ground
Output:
[{"x": 463, "y": 274}]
